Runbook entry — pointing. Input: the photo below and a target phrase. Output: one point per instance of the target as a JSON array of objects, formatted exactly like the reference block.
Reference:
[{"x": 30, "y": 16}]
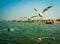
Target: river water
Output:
[{"x": 29, "y": 33}]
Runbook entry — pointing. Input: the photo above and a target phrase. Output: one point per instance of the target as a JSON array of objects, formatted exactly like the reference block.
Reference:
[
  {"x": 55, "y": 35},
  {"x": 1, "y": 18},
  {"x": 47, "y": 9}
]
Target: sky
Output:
[{"x": 14, "y": 9}]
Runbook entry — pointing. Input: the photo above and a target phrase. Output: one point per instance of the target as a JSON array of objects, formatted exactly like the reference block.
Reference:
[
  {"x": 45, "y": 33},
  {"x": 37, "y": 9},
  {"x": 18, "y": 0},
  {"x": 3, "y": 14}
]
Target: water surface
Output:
[{"x": 28, "y": 33}]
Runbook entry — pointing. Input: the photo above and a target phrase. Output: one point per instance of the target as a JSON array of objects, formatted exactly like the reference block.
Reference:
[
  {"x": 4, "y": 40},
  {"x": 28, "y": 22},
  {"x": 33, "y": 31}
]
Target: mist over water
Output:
[{"x": 29, "y": 32}]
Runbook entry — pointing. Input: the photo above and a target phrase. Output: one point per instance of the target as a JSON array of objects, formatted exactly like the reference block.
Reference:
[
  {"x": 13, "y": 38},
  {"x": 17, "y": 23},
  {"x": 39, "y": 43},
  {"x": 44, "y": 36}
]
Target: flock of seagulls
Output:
[{"x": 39, "y": 14}]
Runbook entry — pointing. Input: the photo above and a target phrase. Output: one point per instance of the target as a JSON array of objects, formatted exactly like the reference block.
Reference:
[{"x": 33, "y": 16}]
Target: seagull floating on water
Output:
[{"x": 10, "y": 29}]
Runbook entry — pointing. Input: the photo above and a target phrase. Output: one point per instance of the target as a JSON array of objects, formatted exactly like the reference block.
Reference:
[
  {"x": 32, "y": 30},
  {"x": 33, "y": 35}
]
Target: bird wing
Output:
[
  {"x": 38, "y": 13},
  {"x": 47, "y": 8},
  {"x": 23, "y": 17},
  {"x": 34, "y": 16},
  {"x": 35, "y": 9}
]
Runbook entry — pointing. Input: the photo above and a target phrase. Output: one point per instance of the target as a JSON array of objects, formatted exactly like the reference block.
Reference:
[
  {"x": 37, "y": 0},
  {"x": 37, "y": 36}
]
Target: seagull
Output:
[
  {"x": 10, "y": 29},
  {"x": 40, "y": 39},
  {"x": 41, "y": 14},
  {"x": 29, "y": 18}
]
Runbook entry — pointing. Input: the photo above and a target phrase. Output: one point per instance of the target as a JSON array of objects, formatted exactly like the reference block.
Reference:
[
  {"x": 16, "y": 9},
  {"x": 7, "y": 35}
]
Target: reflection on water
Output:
[{"x": 29, "y": 33}]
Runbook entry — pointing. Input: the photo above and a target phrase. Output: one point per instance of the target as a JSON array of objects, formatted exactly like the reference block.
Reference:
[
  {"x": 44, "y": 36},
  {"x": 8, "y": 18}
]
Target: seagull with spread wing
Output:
[
  {"x": 41, "y": 14},
  {"x": 29, "y": 18}
]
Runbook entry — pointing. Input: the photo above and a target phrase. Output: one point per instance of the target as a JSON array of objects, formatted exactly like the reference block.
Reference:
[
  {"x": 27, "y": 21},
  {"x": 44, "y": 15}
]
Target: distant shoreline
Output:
[{"x": 44, "y": 21}]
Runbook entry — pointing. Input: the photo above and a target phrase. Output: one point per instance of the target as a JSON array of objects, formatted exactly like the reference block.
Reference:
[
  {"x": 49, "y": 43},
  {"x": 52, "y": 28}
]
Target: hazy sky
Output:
[{"x": 14, "y": 9}]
